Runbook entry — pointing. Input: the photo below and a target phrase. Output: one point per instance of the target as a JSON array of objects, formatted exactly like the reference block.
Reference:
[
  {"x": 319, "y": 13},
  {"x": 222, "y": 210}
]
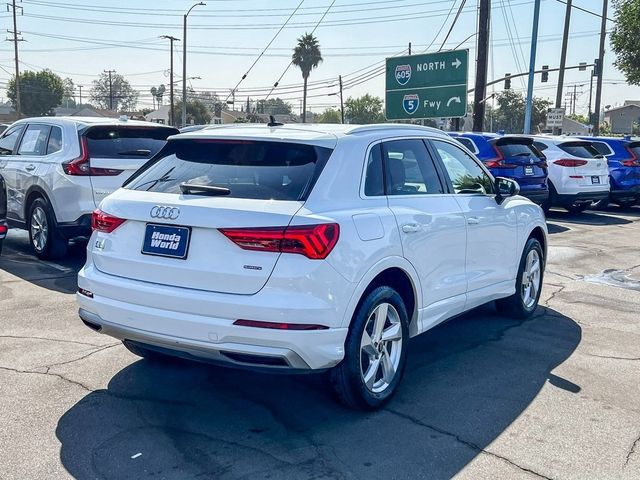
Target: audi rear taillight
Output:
[
  {"x": 633, "y": 161},
  {"x": 570, "y": 162},
  {"x": 312, "y": 241},
  {"x": 279, "y": 325},
  {"x": 81, "y": 166},
  {"x": 103, "y": 222}
]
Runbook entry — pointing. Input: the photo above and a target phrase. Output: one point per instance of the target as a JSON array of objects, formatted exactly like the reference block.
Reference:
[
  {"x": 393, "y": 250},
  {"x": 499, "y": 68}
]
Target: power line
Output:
[{"x": 453, "y": 24}]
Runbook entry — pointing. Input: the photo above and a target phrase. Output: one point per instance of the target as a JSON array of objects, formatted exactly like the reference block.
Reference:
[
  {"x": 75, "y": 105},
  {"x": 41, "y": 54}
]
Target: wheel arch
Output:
[
  {"x": 395, "y": 272},
  {"x": 34, "y": 192},
  {"x": 539, "y": 234}
]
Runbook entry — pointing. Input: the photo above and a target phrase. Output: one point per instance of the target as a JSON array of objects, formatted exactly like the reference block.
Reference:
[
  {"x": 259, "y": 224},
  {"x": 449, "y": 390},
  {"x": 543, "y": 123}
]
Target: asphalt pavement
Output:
[{"x": 484, "y": 397}]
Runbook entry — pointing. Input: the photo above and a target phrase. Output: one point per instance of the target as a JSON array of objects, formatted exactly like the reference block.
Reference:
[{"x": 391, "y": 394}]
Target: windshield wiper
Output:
[
  {"x": 138, "y": 153},
  {"x": 196, "y": 189},
  {"x": 521, "y": 154}
]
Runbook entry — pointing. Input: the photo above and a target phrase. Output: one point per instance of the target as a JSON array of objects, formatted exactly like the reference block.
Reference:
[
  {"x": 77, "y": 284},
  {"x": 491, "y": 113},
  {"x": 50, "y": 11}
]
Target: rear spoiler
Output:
[{"x": 511, "y": 141}]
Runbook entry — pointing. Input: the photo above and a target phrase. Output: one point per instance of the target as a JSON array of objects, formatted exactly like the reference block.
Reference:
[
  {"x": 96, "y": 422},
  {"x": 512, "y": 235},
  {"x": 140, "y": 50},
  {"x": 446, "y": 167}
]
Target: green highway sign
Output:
[{"x": 431, "y": 85}]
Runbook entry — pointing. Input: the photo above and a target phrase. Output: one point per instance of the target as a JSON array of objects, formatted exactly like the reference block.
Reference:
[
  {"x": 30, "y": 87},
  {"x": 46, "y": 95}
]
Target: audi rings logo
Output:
[{"x": 166, "y": 213}]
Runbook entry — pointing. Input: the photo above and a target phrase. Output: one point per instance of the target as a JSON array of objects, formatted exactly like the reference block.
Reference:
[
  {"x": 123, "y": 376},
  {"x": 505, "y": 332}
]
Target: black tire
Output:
[
  {"x": 347, "y": 378},
  {"x": 578, "y": 208},
  {"x": 549, "y": 202},
  {"x": 601, "y": 204},
  {"x": 1, "y": 242},
  {"x": 54, "y": 245},
  {"x": 146, "y": 353},
  {"x": 625, "y": 203},
  {"x": 514, "y": 306}
]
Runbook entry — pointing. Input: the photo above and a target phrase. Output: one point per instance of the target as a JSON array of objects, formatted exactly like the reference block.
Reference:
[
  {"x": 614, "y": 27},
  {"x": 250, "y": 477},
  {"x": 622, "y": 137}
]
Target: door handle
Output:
[
  {"x": 411, "y": 228},
  {"x": 30, "y": 167},
  {"x": 473, "y": 220}
]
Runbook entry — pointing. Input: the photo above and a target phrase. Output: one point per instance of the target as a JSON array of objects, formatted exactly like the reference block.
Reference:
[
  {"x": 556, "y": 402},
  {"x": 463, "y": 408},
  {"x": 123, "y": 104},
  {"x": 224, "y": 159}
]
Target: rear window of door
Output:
[
  {"x": 249, "y": 169},
  {"x": 467, "y": 142},
  {"x": 580, "y": 149},
  {"x": 34, "y": 140},
  {"x": 120, "y": 141},
  {"x": 602, "y": 148},
  {"x": 10, "y": 139},
  {"x": 409, "y": 169},
  {"x": 464, "y": 172}
]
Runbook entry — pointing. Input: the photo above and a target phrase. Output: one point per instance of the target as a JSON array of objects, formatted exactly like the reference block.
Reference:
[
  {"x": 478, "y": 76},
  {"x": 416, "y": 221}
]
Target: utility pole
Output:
[
  {"x": 532, "y": 67},
  {"x": 575, "y": 98},
  {"x": 110, "y": 88},
  {"x": 482, "y": 61},
  {"x": 80, "y": 88},
  {"x": 171, "y": 40},
  {"x": 409, "y": 48},
  {"x": 341, "y": 102},
  {"x": 603, "y": 34},
  {"x": 590, "y": 97},
  {"x": 16, "y": 38}
]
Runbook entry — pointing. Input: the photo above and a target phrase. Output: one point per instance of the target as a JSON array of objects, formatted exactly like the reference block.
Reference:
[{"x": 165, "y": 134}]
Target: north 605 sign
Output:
[{"x": 432, "y": 85}]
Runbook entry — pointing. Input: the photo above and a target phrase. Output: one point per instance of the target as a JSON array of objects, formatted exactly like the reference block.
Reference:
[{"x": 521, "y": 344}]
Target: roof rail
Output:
[{"x": 391, "y": 126}]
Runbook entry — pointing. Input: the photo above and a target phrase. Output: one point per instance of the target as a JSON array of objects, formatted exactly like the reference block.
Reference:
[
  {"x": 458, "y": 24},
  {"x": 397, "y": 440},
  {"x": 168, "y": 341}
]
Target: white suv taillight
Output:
[
  {"x": 81, "y": 167},
  {"x": 570, "y": 162},
  {"x": 312, "y": 241},
  {"x": 103, "y": 222}
]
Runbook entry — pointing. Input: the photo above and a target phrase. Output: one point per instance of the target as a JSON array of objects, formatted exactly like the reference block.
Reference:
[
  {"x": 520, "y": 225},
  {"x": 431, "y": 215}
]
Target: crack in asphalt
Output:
[
  {"x": 61, "y": 377},
  {"x": 467, "y": 443},
  {"x": 613, "y": 357},
  {"x": 631, "y": 451},
  {"x": 20, "y": 337},
  {"x": 553, "y": 295},
  {"x": 559, "y": 274},
  {"x": 48, "y": 367}
]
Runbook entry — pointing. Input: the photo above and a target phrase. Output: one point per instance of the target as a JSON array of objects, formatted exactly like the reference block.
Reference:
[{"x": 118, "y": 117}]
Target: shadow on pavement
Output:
[
  {"x": 59, "y": 275},
  {"x": 587, "y": 218},
  {"x": 466, "y": 382},
  {"x": 555, "y": 228}
]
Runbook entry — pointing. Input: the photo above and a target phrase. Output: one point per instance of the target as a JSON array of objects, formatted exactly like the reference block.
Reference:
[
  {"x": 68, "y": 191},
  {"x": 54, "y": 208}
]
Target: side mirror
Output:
[{"x": 505, "y": 187}]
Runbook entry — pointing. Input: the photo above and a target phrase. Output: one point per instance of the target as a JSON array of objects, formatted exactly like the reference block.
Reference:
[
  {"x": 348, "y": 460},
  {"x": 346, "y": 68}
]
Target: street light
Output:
[
  {"x": 184, "y": 64},
  {"x": 172, "y": 120}
]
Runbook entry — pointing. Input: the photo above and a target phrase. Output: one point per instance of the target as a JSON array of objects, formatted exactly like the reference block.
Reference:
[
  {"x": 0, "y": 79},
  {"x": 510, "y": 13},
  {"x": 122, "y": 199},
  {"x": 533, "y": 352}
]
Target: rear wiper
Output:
[
  {"x": 521, "y": 154},
  {"x": 196, "y": 189},
  {"x": 138, "y": 153}
]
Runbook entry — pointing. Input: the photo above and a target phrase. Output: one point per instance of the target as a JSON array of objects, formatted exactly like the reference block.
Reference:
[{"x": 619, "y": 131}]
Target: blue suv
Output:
[
  {"x": 623, "y": 157},
  {"x": 511, "y": 157}
]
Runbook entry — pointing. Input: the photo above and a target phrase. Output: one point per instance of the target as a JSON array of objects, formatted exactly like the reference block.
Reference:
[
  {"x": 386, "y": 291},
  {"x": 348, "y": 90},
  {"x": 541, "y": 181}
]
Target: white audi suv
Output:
[
  {"x": 57, "y": 170},
  {"x": 306, "y": 248}
]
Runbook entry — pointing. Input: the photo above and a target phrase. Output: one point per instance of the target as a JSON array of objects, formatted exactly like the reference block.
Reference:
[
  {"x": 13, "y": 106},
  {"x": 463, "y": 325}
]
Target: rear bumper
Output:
[
  {"x": 78, "y": 228},
  {"x": 581, "y": 197},
  {"x": 536, "y": 196},
  {"x": 207, "y": 332},
  {"x": 626, "y": 194}
]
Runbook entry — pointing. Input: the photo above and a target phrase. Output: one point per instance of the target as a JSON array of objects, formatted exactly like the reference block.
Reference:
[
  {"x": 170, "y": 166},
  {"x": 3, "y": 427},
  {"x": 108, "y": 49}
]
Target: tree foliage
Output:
[
  {"x": 124, "y": 96},
  {"x": 330, "y": 115},
  {"x": 40, "y": 92},
  {"x": 365, "y": 109},
  {"x": 306, "y": 56},
  {"x": 510, "y": 111},
  {"x": 197, "y": 112},
  {"x": 274, "y": 106},
  {"x": 624, "y": 39}
]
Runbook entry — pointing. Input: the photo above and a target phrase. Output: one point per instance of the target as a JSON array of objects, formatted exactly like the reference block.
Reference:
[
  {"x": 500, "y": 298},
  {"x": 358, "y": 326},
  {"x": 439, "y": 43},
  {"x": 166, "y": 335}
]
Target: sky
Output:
[{"x": 81, "y": 38}]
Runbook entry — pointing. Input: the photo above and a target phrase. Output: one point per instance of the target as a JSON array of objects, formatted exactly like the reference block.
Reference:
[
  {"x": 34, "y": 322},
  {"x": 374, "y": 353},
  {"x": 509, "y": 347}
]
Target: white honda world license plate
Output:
[
  {"x": 528, "y": 170},
  {"x": 595, "y": 179}
]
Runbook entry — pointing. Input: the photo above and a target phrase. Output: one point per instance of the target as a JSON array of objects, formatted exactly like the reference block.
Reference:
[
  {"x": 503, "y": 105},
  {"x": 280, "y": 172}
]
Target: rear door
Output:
[
  {"x": 491, "y": 247},
  {"x": 117, "y": 151},
  {"x": 431, "y": 224},
  {"x": 8, "y": 169},
  {"x": 261, "y": 184},
  {"x": 595, "y": 171}
]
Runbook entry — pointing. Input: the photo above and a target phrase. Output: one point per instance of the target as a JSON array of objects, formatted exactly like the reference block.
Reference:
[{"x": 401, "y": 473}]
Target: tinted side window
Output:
[
  {"x": 467, "y": 143},
  {"x": 409, "y": 168},
  {"x": 34, "y": 140},
  {"x": 578, "y": 149},
  {"x": 55, "y": 140},
  {"x": 9, "y": 140},
  {"x": 465, "y": 173},
  {"x": 540, "y": 146},
  {"x": 602, "y": 148},
  {"x": 374, "y": 180}
]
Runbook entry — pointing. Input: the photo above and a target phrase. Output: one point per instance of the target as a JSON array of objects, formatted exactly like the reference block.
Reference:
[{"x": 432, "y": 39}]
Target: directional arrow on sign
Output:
[
  {"x": 457, "y": 63},
  {"x": 454, "y": 99}
]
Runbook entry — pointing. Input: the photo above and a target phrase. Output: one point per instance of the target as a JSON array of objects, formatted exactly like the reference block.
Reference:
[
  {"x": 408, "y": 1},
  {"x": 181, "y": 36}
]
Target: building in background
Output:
[{"x": 624, "y": 119}]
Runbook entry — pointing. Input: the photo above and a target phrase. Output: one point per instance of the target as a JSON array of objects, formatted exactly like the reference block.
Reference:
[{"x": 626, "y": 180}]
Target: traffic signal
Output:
[
  {"x": 596, "y": 67},
  {"x": 545, "y": 74},
  {"x": 507, "y": 81}
]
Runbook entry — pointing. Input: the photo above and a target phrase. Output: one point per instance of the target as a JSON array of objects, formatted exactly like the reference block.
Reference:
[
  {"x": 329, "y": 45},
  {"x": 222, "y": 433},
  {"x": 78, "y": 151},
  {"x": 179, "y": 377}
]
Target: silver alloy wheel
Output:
[
  {"x": 531, "y": 279},
  {"x": 39, "y": 228},
  {"x": 381, "y": 348}
]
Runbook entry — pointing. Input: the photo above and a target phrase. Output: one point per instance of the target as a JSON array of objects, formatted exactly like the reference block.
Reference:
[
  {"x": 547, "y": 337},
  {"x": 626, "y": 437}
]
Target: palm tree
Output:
[{"x": 306, "y": 56}]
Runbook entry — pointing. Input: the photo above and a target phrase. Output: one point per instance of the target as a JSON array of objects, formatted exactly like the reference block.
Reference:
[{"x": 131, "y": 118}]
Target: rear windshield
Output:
[
  {"x": 517, "y": 150},
  {"x": 602, "y": 148},
  {"x": 580, "y": 149},
  {"x": 249, "y": 169},
  {"x": 120, "y": 141},
  {"x": 635, "y": 148}
]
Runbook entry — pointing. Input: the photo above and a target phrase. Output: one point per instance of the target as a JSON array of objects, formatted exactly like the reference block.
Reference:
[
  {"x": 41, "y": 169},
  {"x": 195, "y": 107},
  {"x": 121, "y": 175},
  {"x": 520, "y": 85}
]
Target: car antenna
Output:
[{"x": 273, "y": 123}]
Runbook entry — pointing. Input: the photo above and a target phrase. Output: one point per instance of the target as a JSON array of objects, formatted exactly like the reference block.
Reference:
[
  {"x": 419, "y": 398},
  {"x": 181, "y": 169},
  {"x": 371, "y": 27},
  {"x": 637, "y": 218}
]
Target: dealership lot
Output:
[{"x": 484, "y": 396}]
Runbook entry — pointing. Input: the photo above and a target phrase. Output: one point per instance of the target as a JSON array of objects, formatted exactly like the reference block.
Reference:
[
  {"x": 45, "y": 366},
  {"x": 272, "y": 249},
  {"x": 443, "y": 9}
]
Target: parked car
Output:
[
  {"x": 578, "y": 174},
  {"x": 3, "y": 127},
  {"x": 58, "y": 169},
  {"x": 306, "y": 248},
  {"x": 4, "y": 227},
  {"x": 511, "y": 157},
  {"x": 192, "y": 128},
  {"x": 623, "y": 158}
]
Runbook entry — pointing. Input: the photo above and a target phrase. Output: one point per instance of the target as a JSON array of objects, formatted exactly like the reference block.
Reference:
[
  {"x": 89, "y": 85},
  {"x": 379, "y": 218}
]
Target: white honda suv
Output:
[
  {"x": 58, "y": 169},
  {"x": 306, "y": 248}
]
